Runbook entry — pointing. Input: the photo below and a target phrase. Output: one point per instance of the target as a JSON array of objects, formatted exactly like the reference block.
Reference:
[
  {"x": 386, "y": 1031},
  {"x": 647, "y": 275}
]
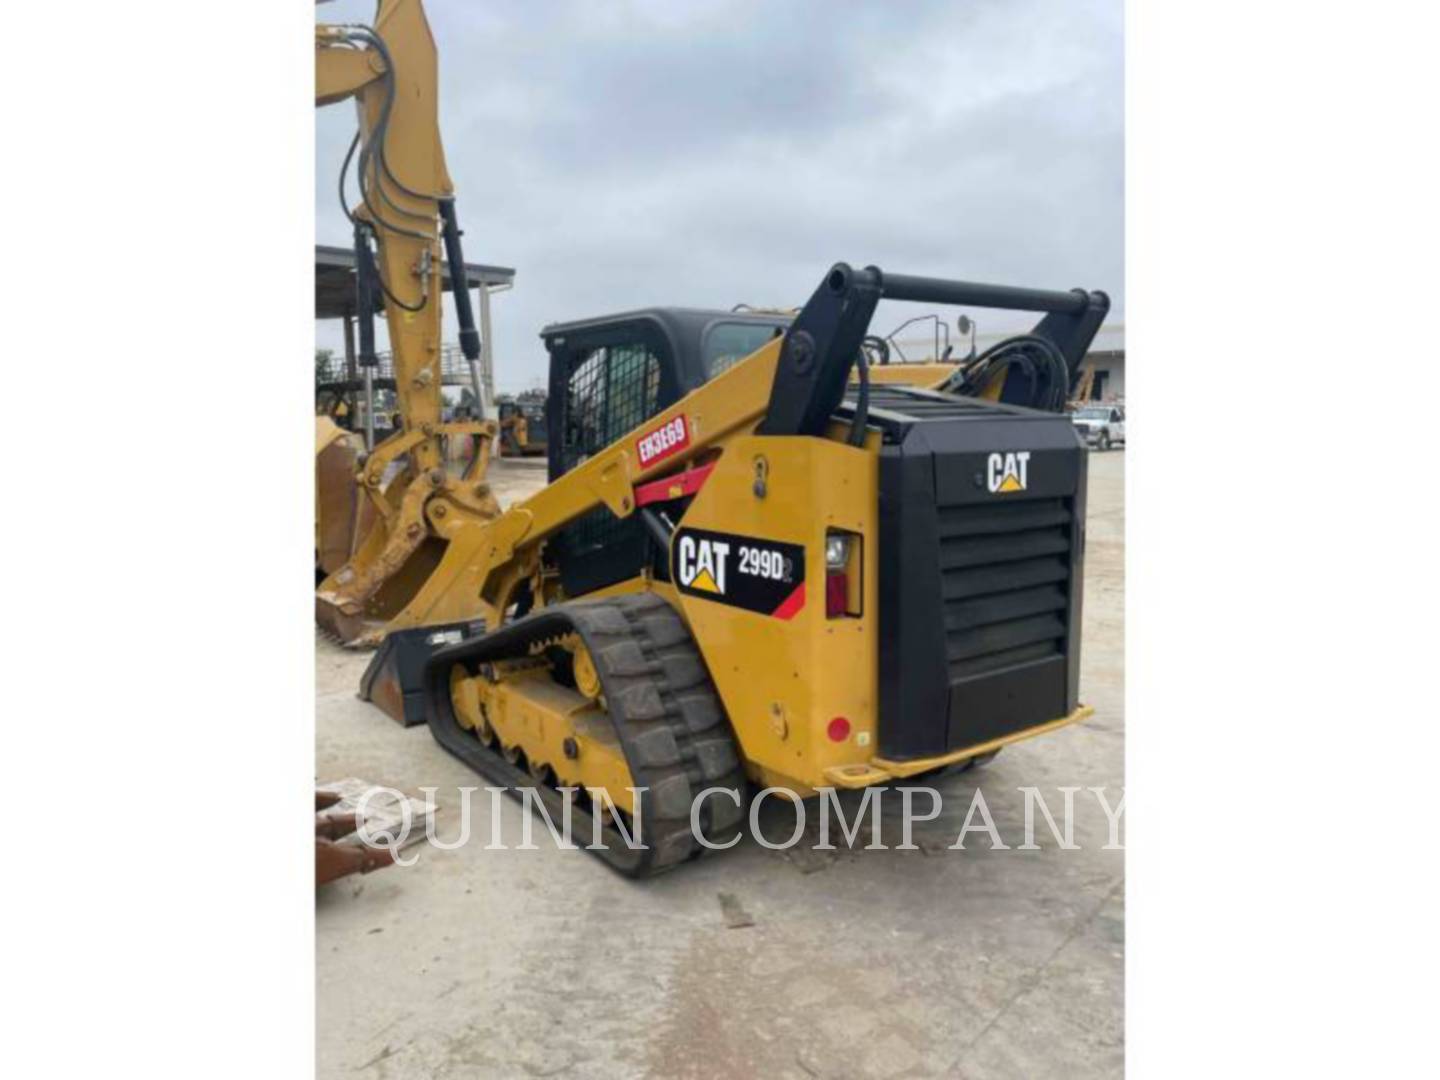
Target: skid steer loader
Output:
[{"x": 750, "y": 567}]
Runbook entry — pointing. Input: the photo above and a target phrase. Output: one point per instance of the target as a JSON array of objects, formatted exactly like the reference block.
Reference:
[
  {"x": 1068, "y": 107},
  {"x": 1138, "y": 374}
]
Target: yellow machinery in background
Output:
[
  {"x": 523, "y": 431},
  {"x": 1084, "y": 387},
  {"x": 1011, "y": 370},
  {"x": 411, "y": 506}
]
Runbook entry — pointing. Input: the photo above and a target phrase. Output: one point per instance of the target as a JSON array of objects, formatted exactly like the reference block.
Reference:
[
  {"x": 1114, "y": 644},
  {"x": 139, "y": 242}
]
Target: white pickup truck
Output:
[{"x": 1102, "y": 425}]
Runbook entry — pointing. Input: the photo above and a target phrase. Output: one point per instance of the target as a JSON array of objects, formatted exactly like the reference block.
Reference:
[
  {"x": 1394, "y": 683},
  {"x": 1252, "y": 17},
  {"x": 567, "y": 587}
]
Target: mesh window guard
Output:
[{"x": 611, "y": 391}]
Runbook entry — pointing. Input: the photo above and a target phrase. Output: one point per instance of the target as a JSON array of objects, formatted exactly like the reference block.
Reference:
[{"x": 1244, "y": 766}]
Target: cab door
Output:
[{"x": 603, "y": 385}]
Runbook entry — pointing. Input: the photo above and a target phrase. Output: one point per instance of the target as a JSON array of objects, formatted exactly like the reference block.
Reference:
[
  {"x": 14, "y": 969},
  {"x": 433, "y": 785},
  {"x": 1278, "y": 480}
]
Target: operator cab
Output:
[{"x": 607, "y": 377}]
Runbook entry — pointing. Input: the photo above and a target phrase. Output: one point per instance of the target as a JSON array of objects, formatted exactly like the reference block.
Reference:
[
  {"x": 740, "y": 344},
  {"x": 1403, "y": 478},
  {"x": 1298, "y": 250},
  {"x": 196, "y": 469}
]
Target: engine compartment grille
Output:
[{"x": 1005, "y": 583}]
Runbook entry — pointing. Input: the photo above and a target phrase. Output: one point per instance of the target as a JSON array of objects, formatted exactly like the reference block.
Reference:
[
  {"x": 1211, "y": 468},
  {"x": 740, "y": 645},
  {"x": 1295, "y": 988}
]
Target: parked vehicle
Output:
[{"x": 1102, "y": 425}]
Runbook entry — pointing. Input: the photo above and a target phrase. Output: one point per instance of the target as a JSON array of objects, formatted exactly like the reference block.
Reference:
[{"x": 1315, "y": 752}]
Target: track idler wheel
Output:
[{"x": 587, "y": 679}]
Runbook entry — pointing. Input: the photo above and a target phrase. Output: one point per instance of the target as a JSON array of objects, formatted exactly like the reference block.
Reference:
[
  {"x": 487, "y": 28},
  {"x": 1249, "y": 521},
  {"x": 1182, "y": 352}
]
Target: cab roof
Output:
[{"x": 681, "y": 322}]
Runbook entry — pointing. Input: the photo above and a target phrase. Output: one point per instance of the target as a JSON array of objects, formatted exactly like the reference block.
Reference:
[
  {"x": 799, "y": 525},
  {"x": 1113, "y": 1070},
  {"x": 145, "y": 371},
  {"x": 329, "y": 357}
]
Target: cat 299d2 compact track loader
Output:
[{"x": 749, "y": 566}]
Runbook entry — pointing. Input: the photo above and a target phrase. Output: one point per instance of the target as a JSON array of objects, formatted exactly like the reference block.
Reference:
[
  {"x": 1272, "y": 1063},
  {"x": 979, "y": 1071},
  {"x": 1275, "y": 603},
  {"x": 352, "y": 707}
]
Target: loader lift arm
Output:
[{"x": 826, "y": 338}]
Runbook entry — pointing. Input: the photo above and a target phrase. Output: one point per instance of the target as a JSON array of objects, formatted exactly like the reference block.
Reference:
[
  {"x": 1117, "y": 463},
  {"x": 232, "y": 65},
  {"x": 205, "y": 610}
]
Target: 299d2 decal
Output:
[{"x": 764, "y": 576}]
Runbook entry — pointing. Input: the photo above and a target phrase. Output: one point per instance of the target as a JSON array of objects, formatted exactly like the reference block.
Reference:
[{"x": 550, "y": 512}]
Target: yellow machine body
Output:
[{"x": 783, "y": 680}]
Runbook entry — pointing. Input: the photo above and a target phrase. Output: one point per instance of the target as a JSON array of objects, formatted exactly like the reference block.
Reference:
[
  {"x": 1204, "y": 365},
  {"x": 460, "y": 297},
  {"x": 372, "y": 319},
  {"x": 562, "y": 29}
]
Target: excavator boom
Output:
[{"x": 405, "y": 214}]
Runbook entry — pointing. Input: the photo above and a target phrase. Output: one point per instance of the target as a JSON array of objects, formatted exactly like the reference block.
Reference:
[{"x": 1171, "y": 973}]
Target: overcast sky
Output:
[{"x": 709, "y": 152}]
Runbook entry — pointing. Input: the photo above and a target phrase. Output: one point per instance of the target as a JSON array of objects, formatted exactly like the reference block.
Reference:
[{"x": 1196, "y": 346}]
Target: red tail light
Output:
[
  {"x": 842, "y": 573},
  {"x": 837, "y": 589}
]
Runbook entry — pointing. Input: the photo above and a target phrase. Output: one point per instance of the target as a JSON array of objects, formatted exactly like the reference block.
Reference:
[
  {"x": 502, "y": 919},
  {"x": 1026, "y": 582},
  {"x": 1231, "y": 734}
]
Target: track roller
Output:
[{"x": 632, "y": 656}]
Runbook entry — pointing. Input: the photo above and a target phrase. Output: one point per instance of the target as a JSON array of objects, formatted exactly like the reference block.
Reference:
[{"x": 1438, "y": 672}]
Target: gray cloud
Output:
[{"x": 632, "y": 153}]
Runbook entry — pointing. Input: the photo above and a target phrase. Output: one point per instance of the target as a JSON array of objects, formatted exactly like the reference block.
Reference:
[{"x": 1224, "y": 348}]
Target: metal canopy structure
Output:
[
  {"x": 335, "y": 298},
  {"x": 335, "y": 280}
]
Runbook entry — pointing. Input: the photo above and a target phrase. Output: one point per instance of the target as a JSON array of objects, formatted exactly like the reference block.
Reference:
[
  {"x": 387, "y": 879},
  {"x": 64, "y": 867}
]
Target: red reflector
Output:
[
  {"x": 837, "y": 591},
  {"x": 838, "y": 729}
]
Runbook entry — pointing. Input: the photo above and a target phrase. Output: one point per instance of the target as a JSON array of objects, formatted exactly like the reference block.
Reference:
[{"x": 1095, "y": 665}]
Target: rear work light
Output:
[{"x": 842, "y": 574}]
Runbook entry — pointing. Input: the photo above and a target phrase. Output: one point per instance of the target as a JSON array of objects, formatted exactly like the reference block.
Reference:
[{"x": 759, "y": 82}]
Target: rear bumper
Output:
[{"x": 881, "y": 770}]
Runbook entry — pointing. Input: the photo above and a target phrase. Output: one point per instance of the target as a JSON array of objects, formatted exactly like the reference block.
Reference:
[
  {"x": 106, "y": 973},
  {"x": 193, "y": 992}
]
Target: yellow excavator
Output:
[
  {"x": 758, "y": 559},
  {"x": 402, "y": 505},
  {"x": 522, "y": 425}
]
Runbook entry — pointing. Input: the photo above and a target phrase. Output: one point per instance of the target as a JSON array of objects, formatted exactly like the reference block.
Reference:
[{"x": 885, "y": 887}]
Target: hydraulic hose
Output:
[
  {"x": 370, "y": 37},
  {"x": 365, "y": 316},
  {"x": 374, "y": 150},
  {"x": 345, "y": 168},
  {"x": 862, "y": 400},
  {"x": 880, "y": 345},
  {"x": 1040, "y": 359},
  {"x": 459, "y": 284}
]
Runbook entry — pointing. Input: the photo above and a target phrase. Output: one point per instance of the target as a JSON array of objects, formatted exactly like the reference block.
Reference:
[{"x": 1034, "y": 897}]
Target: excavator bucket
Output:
[
  {"x": 338, "y": 510},
  {"x": 395, "y": 582},
  {"x": 399, "y": 572}
]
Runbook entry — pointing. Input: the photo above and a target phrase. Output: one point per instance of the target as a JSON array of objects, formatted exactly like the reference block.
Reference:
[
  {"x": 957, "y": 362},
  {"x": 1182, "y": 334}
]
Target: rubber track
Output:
[{"x": 671, "y": 724}]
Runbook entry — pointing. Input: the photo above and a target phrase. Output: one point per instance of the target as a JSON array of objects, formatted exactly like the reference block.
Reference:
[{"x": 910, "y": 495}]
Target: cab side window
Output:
[
  {"x": 726, "y": 344},
  {"x": 611, "y": 390}
]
